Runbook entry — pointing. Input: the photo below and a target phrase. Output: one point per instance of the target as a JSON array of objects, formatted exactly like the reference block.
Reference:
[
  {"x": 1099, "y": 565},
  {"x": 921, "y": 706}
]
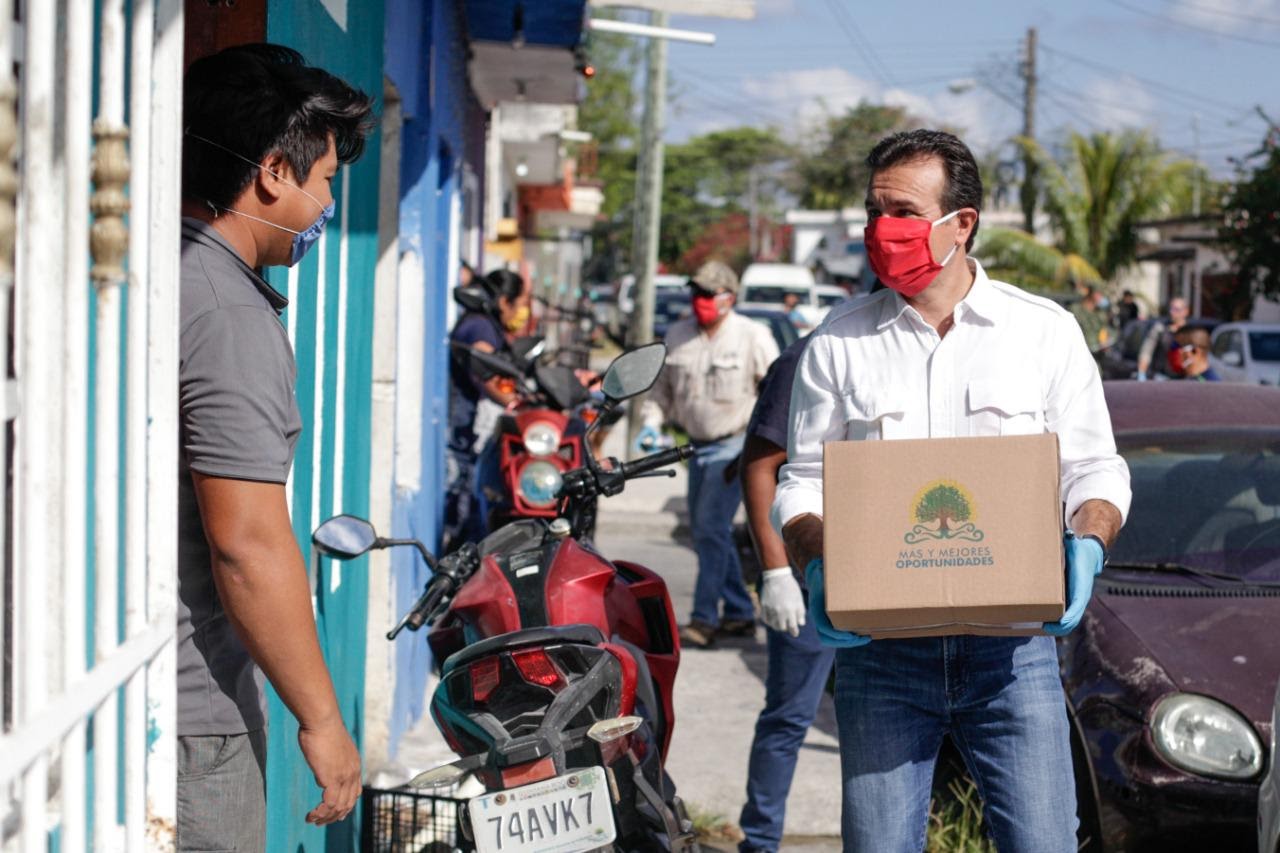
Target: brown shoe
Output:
[
  {"x": 697, "y": 634},
  {"x": 737, "y": 628}
]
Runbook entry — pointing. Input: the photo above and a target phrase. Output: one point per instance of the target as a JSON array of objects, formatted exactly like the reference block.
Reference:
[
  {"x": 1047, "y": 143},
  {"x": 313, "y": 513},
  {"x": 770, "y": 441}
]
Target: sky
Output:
[{"x": 1164, "y": 65}]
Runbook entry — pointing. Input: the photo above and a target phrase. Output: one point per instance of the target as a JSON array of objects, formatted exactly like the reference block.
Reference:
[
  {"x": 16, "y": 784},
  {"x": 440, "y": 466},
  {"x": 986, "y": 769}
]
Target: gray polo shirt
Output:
[{"x": 238, "y": 418}]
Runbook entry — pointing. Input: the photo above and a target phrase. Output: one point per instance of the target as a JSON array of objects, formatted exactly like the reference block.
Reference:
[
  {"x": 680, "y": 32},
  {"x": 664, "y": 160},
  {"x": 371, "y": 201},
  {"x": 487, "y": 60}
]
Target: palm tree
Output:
[
  {"x": 1095, "y": 195},
  {"x": 1019, "y": 258}
]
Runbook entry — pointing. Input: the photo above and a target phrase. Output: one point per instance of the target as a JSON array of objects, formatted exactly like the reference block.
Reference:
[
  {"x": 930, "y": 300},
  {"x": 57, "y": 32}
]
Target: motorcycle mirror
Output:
[
  {"x": 473, "y": 298},
  {"x": 529, "y": 348},
  {"x": 344, "y": 537},
  {"x": 491, "y": 362},
  {"x": 634, "y": 372}
]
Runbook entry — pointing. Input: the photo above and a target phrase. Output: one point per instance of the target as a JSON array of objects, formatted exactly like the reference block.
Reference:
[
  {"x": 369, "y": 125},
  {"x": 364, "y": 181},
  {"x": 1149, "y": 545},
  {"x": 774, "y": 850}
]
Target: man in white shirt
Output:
[
  {"x": 942, "y": 352},
  {"x": 715, "y": 360}
]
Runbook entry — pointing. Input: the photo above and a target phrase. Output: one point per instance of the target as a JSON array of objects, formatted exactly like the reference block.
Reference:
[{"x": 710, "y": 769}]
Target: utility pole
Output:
[
  {"x": 1195, "y": 178},
  {"x": 753, "y": 242},
  {"x": 1030, "y": 171},
  {"x": 644, "y": 250}
]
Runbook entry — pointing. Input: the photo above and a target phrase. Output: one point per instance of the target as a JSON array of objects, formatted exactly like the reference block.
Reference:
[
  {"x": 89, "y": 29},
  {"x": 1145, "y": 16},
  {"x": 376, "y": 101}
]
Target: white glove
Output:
[{"x": 781, "y": 602}]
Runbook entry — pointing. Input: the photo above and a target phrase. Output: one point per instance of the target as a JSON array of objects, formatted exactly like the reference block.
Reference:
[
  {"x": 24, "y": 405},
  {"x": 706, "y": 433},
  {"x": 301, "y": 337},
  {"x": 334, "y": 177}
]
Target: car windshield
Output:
[
  {"x": 772, "y": 294},
  {"x": 667, "y": 308},
  {"x": 1207, "y": 503},
  {"x": 827, "y": 300},
  {"x": 1265, "y": 346}
]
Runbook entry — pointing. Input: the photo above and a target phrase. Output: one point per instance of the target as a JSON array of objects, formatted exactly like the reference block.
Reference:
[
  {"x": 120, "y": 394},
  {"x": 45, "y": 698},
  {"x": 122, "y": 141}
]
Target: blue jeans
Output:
[
  {"x": 798, "y": 670},
  {"x": 1002, "y": 703},
  {"x": 712, "y": 503}
]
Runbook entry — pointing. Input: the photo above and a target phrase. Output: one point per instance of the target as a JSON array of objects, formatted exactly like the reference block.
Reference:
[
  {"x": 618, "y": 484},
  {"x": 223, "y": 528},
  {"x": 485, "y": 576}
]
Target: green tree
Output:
[
  {"x": 708, "y": 177},
  {"x": 609, "y": 113},
  {"x": 1251, "y": 228},
  {"x": 944, "y": 504},
  {"x": 1019, "y": 258},
  {"x": 831, "y": 172},
  {"x": 1103, "y": 185}
]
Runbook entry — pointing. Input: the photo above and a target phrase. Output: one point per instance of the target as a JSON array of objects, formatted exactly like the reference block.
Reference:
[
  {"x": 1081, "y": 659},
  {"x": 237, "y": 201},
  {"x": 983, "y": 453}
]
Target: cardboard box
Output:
[{"x": 943, "y": 536}]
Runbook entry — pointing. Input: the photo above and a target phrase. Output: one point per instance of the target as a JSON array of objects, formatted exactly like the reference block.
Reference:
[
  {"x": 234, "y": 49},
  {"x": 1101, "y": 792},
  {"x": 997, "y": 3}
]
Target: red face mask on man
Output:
[
  {"x": 899, "y": 253},
  {"x": 707, "y": 308}
]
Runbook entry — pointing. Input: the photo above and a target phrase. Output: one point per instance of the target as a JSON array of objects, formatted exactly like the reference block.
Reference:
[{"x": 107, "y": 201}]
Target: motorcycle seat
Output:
[{"x": 581, "y": 633}]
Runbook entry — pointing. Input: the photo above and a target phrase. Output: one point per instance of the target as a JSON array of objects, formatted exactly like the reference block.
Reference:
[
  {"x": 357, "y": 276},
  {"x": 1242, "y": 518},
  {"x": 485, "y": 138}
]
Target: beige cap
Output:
[{"x": 714, "y": 276}]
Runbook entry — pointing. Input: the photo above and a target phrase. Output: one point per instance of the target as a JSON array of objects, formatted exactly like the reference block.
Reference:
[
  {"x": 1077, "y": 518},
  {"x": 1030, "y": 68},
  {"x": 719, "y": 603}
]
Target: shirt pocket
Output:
[
  {"x": 1006, "y": 405},
  {"x": 874, "y": 413},
  {"x": 725, "y": 378}
]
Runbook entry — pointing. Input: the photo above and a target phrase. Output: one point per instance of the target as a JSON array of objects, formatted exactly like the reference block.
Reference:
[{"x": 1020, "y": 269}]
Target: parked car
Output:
[
  {"x": 624, "y": 302},
  {"x": 767, "y": 285},
  {"x": 1169, "y": 680},
  {"x": 669, "y": 306},
  {"x": 1269, "y": 794},
  {"x": 829, "y": 296},
  {"x": 783, "y": 330},
  {"x": 1247, "y": 352}
]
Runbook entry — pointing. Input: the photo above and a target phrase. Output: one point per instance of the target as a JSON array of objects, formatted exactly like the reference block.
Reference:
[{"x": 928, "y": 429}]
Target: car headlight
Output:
[
  {"x": 541, "y": 439},
  {"x": 540, "y": 484},
  {"x": 1205, "y": 736}
]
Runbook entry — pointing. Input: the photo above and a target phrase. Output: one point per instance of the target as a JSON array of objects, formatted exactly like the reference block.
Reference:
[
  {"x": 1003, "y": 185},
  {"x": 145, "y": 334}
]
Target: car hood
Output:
[{"x": 1206, "y": 642}]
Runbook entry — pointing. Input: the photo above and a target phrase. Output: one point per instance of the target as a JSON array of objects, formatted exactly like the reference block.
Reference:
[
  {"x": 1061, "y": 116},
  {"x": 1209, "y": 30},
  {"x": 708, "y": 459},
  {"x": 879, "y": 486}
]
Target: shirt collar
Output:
[
  {"x": 204, "y": 233},
  {"x": 982, "y": 301}
]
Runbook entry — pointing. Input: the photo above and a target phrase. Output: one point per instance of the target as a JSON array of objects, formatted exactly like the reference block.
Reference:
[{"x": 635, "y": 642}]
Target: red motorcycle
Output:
[{"x": 558, "y": 667}]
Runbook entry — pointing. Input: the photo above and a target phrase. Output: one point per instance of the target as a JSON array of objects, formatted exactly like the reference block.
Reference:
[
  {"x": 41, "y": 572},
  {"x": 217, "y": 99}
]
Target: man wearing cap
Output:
[{"x": 715, "y": 359}]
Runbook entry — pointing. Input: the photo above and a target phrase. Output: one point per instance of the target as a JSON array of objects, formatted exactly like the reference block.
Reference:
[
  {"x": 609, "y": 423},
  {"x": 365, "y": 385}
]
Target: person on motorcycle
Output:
[
  {"x": 715, "y": 360},
  {"x": 264, "y": 136},
  {"x": 799, "y": 664},
  {"x": 502, "y": 310}
]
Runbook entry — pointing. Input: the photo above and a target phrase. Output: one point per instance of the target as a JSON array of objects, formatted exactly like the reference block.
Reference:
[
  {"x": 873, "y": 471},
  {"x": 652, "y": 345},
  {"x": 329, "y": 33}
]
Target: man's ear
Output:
[
  {"x": 274, "y": 171},
  {"x": 968, "y": 220}
]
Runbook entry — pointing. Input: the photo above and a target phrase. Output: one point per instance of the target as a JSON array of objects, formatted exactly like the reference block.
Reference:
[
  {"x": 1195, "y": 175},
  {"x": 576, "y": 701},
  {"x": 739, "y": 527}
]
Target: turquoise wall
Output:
[{"x": 355, "y": 54}]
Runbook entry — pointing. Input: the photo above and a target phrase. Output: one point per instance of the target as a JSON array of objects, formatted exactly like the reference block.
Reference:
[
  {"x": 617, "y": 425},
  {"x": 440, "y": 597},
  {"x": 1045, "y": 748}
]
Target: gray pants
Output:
[{"x": 222, "y": 800}]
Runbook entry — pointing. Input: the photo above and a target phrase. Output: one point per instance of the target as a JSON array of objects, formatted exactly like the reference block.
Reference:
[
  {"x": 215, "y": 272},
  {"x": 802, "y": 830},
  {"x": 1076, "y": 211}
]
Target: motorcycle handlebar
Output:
[{"x": 655, "y": 461}]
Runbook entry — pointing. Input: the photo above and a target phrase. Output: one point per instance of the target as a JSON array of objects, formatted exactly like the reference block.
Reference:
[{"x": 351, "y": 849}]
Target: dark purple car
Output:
[{"x": 1170, "y": 678}]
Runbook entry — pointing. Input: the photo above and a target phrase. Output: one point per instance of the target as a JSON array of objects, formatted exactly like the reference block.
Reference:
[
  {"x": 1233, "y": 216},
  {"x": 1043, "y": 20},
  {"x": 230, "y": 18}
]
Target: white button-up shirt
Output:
[{"x": 1012, "y": 364}]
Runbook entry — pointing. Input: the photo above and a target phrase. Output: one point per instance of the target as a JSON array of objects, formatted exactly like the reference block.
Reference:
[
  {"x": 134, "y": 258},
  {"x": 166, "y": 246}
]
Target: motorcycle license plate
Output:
[{"x": 566, "y": 814}]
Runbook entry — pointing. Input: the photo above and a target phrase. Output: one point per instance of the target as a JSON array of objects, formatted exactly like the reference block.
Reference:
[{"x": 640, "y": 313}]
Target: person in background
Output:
[
  {"x": 799, "y": 664},
  {"x": 502, "y": 310},
  {"x": 1189, "y": 357},
  {"x": 1159, "y": 339},
  {"x": 265, "y": 134},
  {"x": 1092, "y": 318},
  {"x": 1127, "y": 311},
  {"x": 715, "y": 360},
  {"x": 466, "y": 274},
  {"x": 791, "y": 307}
]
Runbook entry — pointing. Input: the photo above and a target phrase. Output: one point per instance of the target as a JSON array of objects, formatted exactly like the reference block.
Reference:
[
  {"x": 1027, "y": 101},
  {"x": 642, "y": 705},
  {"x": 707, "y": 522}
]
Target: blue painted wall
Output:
[
  {"x": 443, "y": 128},
  {"x": 355, "y": 54}
]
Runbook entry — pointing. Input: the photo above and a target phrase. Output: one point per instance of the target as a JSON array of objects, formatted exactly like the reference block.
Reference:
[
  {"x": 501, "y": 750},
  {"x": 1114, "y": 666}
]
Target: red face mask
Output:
[
  {"x": 1180, "y": 358},
  {"x": 899, "y": 253},
  {"x": 705, "y": 310}
]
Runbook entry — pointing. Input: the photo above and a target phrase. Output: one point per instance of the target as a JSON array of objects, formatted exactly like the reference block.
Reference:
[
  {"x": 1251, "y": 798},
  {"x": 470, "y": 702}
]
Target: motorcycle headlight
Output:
[
  {"x": 1204, "y": 736},
  {"x": 540, "y": 484},
  {"x": 541, "y": 439}
]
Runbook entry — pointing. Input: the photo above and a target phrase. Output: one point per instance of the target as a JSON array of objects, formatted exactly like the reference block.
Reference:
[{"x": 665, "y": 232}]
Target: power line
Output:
[
  {"x": 1213, "y": 10},
  {"x": 1138, "y": 10},
  {"x": 860, "y": 43}
]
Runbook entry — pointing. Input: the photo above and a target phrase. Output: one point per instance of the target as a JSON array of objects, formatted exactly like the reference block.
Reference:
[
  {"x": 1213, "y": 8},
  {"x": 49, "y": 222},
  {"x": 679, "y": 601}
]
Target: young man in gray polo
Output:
[{"x": 265, "y": 134}]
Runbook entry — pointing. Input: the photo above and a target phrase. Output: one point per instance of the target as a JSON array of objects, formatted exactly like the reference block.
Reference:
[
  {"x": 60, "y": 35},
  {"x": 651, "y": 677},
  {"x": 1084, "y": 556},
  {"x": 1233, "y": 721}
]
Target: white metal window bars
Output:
[{"x": 55, "y": 694}]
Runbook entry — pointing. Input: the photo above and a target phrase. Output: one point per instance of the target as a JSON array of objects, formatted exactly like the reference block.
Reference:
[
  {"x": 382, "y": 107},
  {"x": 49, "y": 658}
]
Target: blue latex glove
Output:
[
  {"x": 648, "y": 439},
  {"x": 827, "y": 633},
  {"x": 1084, "y": 563}
]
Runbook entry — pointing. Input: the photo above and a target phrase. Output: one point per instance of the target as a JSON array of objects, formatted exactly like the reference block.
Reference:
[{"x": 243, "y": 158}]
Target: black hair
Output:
[
  {"x": 259, "y": 99},
  {"x": 503, "y": 284},
  {"x": 964, "y": 183}
]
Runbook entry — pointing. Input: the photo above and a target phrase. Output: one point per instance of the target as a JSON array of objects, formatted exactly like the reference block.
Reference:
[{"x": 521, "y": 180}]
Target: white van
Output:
[{"x": 765, "y": 285}]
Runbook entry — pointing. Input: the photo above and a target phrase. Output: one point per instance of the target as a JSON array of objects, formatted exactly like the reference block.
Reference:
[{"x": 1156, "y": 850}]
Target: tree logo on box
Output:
[{"x": 944, "y": 509}]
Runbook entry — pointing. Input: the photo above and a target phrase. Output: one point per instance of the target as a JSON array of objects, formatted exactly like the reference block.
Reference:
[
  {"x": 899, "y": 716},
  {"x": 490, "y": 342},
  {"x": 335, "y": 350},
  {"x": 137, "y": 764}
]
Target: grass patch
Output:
[
  {"x": 955, "y": 823},
  {"x": 709, "y": 826}
]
